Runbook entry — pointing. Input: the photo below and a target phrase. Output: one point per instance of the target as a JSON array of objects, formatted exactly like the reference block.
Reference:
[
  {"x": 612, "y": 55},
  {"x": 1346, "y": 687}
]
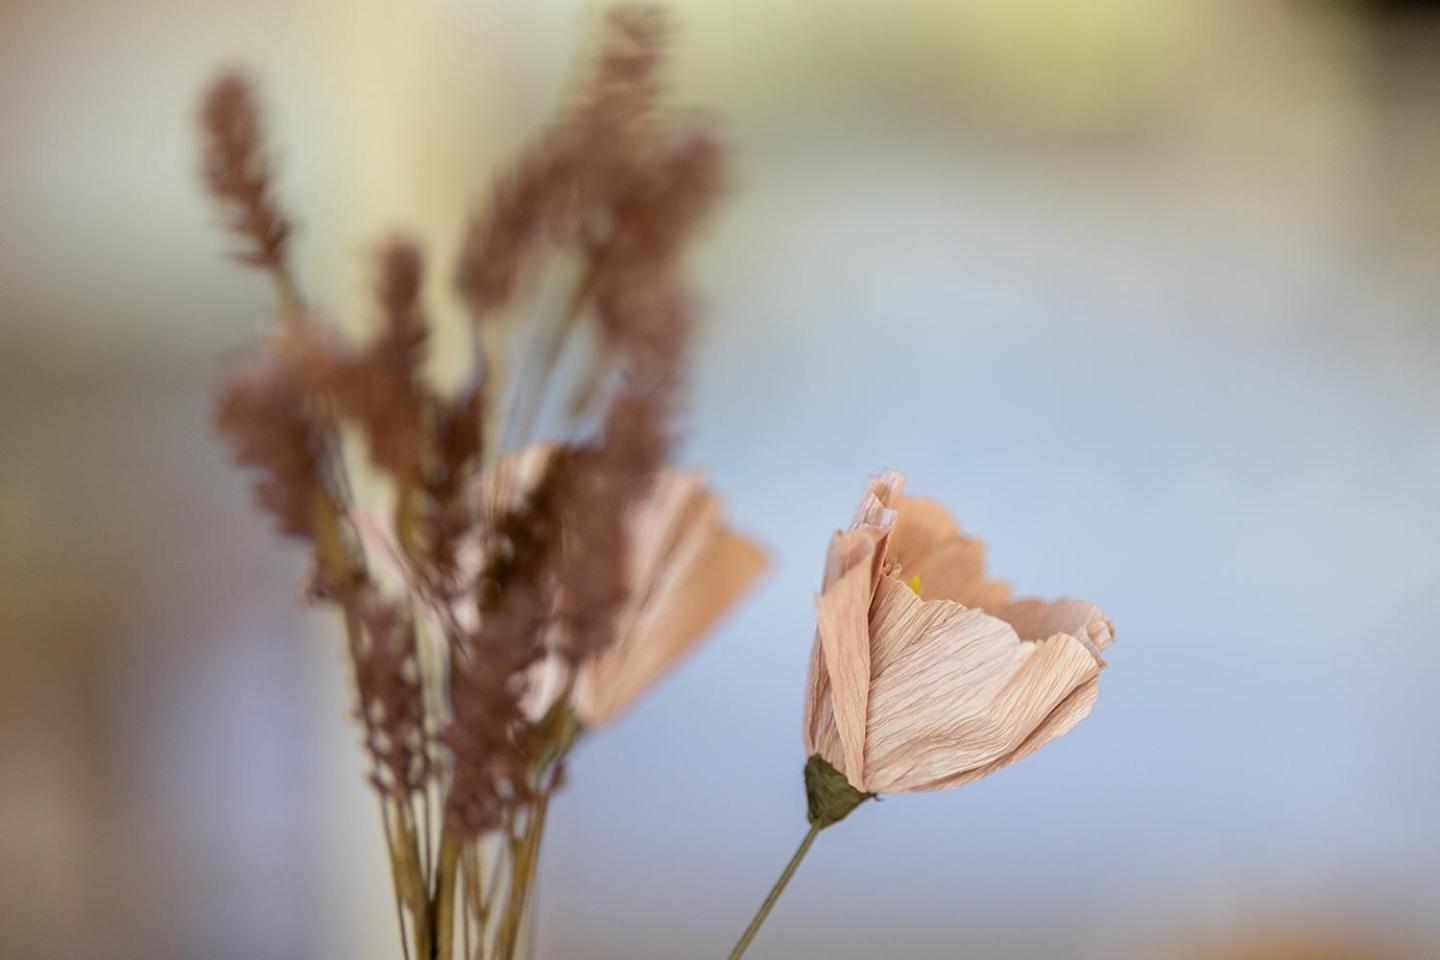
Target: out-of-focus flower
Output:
[
  {"x": 685, "y": 569},
  {"x": 925, "y": 675}
]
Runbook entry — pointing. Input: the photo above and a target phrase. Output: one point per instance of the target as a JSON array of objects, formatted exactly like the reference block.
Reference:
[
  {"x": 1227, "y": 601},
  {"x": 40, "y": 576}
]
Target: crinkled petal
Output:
[
  {"x": 947, "y": 565},
  {"x": 841, "y": 619},
  {"x": 684, "y": 569},
  {"x": 877, "y": 507},
  {"x": 954, "y": 689},
  {"x": 842, "y": 612},
  {"x": 923, "y": 524},
  {"x": 1070, "y": 711},
  {"x": 704, "y": 585},
  {"x": 1037, "y": 619},
  {"x": 955, "y": 570}
]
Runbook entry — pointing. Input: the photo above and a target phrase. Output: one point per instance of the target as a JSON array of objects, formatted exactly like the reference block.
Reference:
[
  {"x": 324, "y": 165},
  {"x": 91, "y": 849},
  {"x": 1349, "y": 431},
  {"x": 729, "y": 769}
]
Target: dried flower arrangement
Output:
[{"x": 510, "y": 595}]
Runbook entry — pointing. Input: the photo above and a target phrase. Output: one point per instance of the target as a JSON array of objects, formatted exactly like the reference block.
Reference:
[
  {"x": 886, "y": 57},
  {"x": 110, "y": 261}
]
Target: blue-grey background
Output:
[{"x": 1147, "y": 292}]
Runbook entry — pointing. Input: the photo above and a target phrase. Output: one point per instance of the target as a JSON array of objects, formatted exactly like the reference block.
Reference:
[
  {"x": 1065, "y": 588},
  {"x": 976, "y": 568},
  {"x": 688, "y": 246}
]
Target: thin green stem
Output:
[{"x": 774, "y": 893}]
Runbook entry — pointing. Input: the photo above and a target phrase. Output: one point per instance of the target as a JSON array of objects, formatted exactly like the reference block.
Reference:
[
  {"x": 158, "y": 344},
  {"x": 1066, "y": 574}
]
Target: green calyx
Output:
[{"x": 829, "y": 796}]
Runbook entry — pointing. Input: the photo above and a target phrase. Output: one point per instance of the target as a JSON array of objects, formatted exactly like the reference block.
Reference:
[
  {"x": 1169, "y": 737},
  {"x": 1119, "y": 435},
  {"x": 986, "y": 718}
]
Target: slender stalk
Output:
[
  {"x": 774, "y": 893},
  {"x": 415, "y": 885},
  {"x": 472, "y": 897},
  {"x": 504, "y": 847},
  {"x": 292, "y": 304},
  {"x": 422, "y": 823},
  {"x": 446, "y": 872},
  {"x": 524, "y": 408},
  {"x": 522, "y": 879},
  {"x": 527, "y": 405},
  {"x": 525, "y": 942},
  {"x": 465, "y": 934},
  {"x": 395, "y": 876}
]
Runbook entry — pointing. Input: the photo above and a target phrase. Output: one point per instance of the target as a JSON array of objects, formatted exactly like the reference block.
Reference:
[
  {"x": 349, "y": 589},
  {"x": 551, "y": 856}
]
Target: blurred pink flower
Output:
[{"x": 685, "y": 569}]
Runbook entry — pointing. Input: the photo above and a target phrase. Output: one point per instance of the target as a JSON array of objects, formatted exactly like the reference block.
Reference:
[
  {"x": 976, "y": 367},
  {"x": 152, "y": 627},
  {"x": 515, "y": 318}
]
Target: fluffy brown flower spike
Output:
[
  {"x": 925, "y": 675},
  {"x": 614, "y": 180},
  {"x": 238, "y": 172},
  {"x": 271, "y": 427},
  {"x": 388, "y": 688},
  {"x": 489, "y": 675},
  {"x": 385, "y": 393}
]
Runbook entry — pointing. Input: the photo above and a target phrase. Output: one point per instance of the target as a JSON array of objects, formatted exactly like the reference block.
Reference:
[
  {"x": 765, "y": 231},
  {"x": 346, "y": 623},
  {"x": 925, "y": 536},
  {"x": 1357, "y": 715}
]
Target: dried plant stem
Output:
[
  {"x": 413, "y": 887},
  {"x": 522, "y": 879},
  {"x": 494, "y": 891},
  {"x": 447, "y": 868},
  {"x": 240, "y": 180},
  {"x": 464, "y": 927},
  {"x": 612, "y": 190},
  {"x": 488, "y": 354},
  {"x": 530, "y": 387},
  {"x": 774, "y": 893},
  {"x": 425, "y": 807},
  {"x": 473, "y": 897},
  {"x": 533, "y": 382},
  {"x": 395, "y": 876},
  {"x": 292, "y": 304}
]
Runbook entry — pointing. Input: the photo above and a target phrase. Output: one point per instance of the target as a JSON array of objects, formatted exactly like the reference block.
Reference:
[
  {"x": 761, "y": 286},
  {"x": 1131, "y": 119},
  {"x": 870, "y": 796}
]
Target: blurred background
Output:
[{"x": 1145, "y": 289}]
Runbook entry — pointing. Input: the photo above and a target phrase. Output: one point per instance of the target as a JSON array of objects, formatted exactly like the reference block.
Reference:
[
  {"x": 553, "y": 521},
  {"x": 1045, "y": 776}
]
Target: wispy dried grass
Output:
[
  {"x": 269, "y": 422},
  {"x": 618, "y": 185},
  {"x": 238, "y": 172},
  {"x": 390, "y": 704},
  {"x": 493, "y": 764}
]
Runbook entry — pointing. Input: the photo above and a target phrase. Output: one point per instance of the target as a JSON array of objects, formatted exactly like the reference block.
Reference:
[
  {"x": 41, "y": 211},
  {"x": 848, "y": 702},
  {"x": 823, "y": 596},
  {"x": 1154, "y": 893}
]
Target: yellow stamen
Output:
[{"x": 915, "y": 584}]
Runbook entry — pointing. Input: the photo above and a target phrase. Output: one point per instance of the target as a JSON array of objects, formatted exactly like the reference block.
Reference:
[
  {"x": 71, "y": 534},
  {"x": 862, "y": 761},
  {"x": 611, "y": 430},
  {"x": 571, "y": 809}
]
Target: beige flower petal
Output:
[
  {"x": 955, "y": 570},
  {"x": 684, "y": 570},
  {"x": 954, "y": 689},
  {"x": 678, "y": 515},
  {"x": 1070, "y": 711},
  {"x": 548, "y": 680},
  {"x": 1036, "y": 619},
  {"x": 928, "y": 545},
  {"x": 819, "y": 731},
  {"x": 704, "y": 585},
  {"x": 877, "y": 509},
  {"x": 922, "y": 526},
  {"x": 846, "y": 613},
  {"x": 841, "y": 619}
]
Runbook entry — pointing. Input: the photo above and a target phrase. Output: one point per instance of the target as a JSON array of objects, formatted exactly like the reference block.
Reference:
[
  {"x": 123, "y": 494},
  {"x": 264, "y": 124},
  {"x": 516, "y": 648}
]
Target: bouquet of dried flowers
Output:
[{"x": 503, "y": 595}]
